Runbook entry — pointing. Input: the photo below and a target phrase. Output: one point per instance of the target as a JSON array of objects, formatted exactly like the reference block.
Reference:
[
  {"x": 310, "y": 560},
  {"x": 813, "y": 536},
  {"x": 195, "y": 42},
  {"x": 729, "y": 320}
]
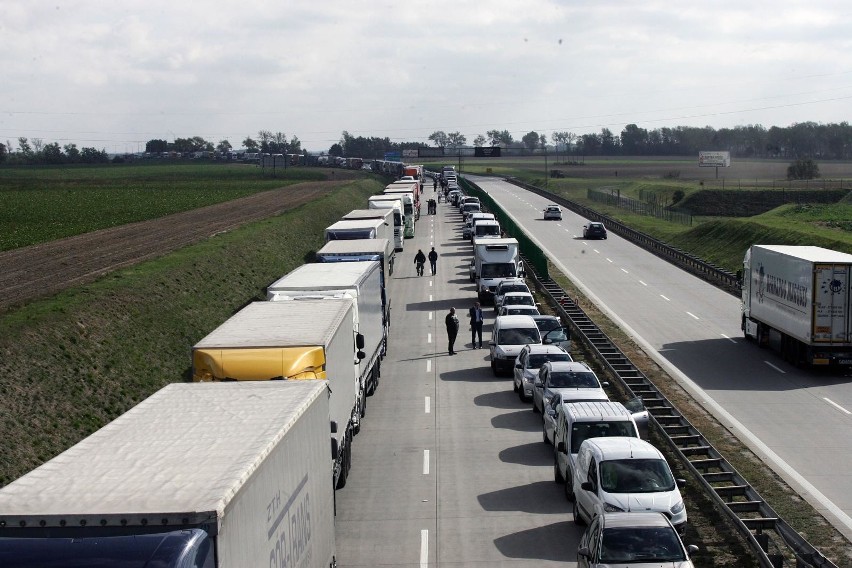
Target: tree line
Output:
[{"x": 35, "y": 151}]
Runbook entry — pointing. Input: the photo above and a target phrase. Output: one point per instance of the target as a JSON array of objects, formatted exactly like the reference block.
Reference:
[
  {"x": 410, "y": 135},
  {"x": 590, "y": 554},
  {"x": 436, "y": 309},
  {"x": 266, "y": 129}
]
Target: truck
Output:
[
  {"x": 409, "y": 207},
  {"x": 415, "y": 171},
  {"x": 796, "y": 299},
  {"x": 293, "y": 341},
  {"x": 494, "y": 260},
  {"x": 354, "y": 250},
  {"x": 363, "y": 282},
  {"x": 212, "y": 475},
  {"x": 394, "y": 204},
  {"x": 360, "y": 229}
]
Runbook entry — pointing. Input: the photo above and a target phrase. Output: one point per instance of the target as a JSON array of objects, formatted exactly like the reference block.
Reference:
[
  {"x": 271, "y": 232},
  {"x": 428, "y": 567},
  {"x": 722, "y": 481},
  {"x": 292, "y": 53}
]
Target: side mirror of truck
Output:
[{"x": 359, "y": 342}]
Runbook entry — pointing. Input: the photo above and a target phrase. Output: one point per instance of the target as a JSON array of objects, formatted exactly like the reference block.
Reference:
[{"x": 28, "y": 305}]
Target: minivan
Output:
[
  {"x": 509, "y": 336},
  {"x": 625, "y": 474}
]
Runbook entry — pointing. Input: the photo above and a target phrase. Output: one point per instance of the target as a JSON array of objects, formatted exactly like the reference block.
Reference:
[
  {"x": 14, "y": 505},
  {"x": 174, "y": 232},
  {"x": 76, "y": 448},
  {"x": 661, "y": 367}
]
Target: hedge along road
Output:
[{"x": 41, "y": 270}]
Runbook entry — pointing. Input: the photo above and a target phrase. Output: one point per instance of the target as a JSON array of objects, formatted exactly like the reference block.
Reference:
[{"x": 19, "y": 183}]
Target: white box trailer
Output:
[
  {"x": 395, "y": 204},
  {"x": 361, "y": 229},
  {"x": 306, "y": 340},
  {"x": 213, "y": 475},
  {"x": 409, "y": 207},
  {"x": 355, "y": 250},
  {"x": 361, "y": 281},
  {"x": 797, "y": 299}
]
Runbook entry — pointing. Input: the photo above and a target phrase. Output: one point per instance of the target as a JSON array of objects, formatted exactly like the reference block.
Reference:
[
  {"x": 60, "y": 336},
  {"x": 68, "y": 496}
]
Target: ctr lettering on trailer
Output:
[
  {"x": 289, "y": 531},
  {"x": 781, "y": 289}
]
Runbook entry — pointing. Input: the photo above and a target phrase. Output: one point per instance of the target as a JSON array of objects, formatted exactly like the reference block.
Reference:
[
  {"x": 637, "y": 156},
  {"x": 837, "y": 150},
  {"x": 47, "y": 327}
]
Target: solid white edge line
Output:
[
  {"x": 428, "y": 405},
  {"x": 425, "y": 462},
  {"x": 835, "y": 405},
  {"x": 782, "y": 371},
  {"x": 752, "y": 441},
  {"x": 424, "y": 548},
  {"x": 693, "y": 315}
]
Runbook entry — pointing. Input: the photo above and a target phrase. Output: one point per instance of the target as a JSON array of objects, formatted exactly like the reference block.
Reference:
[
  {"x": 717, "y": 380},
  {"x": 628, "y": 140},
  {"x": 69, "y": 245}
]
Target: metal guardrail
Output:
[
  {"x": 717, "y": 276},
  {"x": 762, "y": 527},
  {"x": 769, "y": 536}
]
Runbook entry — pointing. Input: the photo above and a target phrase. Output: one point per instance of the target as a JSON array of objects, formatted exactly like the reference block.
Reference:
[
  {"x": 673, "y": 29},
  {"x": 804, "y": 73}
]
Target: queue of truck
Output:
[{"x": 239, "y": 469}]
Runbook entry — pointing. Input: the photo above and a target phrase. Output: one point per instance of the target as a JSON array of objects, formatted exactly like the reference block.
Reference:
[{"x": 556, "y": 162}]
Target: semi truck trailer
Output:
[
  {"x": 409, "y": 205},
  {"x": 394, "y": 204},
  {"x": 494, "y": 260},
  {"x": 298, "y": 341},
  {"x": 796, "y": 299},
  {"x": 361, "y": 281},
  {"x": 359, "y": 229},
  {"x": 196, "y": 475}
]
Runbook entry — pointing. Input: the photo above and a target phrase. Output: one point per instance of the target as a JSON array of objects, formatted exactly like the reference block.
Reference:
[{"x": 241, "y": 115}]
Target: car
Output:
[
  {"x": 509, "y": 335},
  {"x": 575, "y": 422},
  {"x": 529, "y": 361},
  {"x": 518, "y": 299},
  {"x": 632, "y": 539},
  {"x": 553, "y": 331},
  {"x": 516, "y": 310},
  {"x": 509, "y": 285},
  {"x": 621, "y": 474},
  {"x": 594, "y": 231},
  {"x": 553, "y": 212},
  {"x": 575, "y": 381}
]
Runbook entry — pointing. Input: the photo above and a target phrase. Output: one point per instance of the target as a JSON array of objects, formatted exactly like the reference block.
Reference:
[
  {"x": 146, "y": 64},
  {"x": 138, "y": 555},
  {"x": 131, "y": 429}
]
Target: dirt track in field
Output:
[{"x": 45, "y": 269}]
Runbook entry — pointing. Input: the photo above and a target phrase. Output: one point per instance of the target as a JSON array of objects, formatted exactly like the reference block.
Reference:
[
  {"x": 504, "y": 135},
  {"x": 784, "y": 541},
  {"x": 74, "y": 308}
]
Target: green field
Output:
[{"x": 43, "y": 204}]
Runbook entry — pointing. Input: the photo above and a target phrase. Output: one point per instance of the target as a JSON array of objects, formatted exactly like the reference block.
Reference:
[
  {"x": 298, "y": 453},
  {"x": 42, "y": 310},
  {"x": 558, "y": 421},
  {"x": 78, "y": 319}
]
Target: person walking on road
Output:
[
  {"x": 475, "y": 314},
  {"x": 434, "y": 185},
  {"x": 452, "y": 329},
  {"x": 419, "y": 261},
  {"x": 433, "y": 260}
]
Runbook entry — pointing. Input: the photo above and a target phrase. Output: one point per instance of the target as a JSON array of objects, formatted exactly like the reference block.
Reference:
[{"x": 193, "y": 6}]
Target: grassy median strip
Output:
[{"x": 72, "y": 363}]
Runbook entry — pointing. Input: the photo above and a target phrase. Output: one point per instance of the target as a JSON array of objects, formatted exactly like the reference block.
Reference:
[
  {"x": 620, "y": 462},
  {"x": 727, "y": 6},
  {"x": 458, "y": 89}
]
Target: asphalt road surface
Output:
[
  {"x": 449, "y": 467},
  {"x": 798, "y": 421}
]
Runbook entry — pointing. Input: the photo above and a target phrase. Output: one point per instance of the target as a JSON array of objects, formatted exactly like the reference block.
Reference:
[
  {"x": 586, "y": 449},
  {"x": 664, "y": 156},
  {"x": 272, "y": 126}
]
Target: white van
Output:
[
  {"x": 575, "y": 422},
  {"x": 510, "y": 334},
  {"x": 625, "y": 474}
]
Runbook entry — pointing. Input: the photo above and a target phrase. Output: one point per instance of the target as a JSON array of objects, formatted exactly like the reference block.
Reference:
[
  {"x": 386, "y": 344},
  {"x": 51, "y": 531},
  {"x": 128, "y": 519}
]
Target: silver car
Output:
[
  {"x": 529, "y": 361},
  {"x": 553, "y": 212},
  {"x": 632, "y": 539},
  {"x": 574, "y": 381}
]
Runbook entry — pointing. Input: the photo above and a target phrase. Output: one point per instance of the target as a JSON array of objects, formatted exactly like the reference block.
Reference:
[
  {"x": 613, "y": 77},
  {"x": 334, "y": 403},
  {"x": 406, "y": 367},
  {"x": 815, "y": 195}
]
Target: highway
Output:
[
  {"x": 798, "y": 421},
  {"x": 449, "y": 467}
]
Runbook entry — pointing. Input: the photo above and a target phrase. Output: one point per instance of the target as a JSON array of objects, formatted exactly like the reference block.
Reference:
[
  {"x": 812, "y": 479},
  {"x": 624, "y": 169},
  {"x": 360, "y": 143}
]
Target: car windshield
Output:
[
  {"x": 506, "y": 270},
  {"x": 621, "y": 545},
  {"x": 518, "y": 336},
  {"x": 518, "y": 300},
  {"x": 536, "y": 361},
  {"x": 584, "y": 430},
  {"x": 487, "y": 230},
  {"x": 519, "y": 311},
  {"x": 572, "y": 379},
  {"x": 636, "y": 476},
  {"x": 554, "y": 335}
]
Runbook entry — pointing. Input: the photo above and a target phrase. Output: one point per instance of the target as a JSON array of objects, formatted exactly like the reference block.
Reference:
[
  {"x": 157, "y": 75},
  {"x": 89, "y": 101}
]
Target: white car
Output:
[
  {"x": 517, "y": 299},
  {"x": 518, "y": 310},
  {"x": 529, "y": 361},
  {"x": 553, "y": 331},
  {"x": 509, "y": 285},
  {"x": 574, "y": 382},
  {"x": 510, "y": 334},
  {"x": 632, "y": 539},
  {"x": 625, "y": 475},
  {"x": 553, "y": 212}
]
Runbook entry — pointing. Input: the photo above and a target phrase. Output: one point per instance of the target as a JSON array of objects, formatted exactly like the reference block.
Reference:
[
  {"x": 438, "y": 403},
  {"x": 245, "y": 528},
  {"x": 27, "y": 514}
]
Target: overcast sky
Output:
[{"x": 115, "y": 74}]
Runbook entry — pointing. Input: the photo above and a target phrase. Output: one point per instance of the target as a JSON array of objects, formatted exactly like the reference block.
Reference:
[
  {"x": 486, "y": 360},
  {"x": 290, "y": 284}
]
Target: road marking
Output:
[
  {"x": 609, "y": 260},
  {"x": 428, "y": 366},
  {"x": 693, "y": 315},
  {"x": 664, "y": 298},
  {"x": 728, "y": 338},
  {"x": 430, "y": 297},
  {"x": 430, "y": 283},
  {"x": 428, "y": 405},
  {"x": 624, "y": 271},
  {"x": 424, "y": 548},
  {"x": 835, "y": 405},
  {"x": 425, "y": 462},
  {"x": 642, "y": 283},
  {"x": 776, "y": 368},
  {"x": 428, "y": 338},
  {"x": 430, "y": 315}
]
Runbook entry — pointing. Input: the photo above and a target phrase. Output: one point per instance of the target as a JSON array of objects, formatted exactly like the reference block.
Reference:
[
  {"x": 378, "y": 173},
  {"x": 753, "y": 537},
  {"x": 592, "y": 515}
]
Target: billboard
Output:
[
  {"x": 409, "y": 153},
  {"x": 487, "y": 151},
  {"x": 712, "y": 159},
  {"x": 393, "y": 156}
]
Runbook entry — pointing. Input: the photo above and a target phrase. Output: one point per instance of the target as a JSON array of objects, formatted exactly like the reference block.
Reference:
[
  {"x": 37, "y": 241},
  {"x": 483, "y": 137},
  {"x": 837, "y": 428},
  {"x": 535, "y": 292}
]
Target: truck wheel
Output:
[
  {"x": 494, "y": 369},
  {"x": 557, "y": 475},
  {"x": 569, "y": 487},
  {"x": 578, "y": 520}
]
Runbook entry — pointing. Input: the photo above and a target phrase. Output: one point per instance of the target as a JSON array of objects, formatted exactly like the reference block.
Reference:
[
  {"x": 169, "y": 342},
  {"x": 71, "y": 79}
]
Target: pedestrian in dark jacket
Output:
[
  {"x": 452, "y": 329},
  {"x": 419, "y": 261},
  {"x": 433, "y": 260},
  {"x": 475, "y": 315}
]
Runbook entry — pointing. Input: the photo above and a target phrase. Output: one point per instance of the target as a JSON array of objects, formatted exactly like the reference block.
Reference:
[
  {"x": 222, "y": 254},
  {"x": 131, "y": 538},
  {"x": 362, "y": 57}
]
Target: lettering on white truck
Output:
[{"x": 289, "y": 531}]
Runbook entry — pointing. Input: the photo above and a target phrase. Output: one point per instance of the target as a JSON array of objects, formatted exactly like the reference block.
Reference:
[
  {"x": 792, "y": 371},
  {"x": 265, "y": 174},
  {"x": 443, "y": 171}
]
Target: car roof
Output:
[
  {"x": 599, "y": 410},
  {"x": 507, "y": 322},
  {"x": 596, "y": 223},
  {"x": 518, "y": 294},
  {"x": 621, "y": 447},
  {"x": 509, "y": 281},
  {"x": 553, "y": 207},
  {"x": 546, "y": 317},
  {"x": 634, "y": 519},
  {"x": 576, "y": 366},
  {"x": 544, "y": 349}
]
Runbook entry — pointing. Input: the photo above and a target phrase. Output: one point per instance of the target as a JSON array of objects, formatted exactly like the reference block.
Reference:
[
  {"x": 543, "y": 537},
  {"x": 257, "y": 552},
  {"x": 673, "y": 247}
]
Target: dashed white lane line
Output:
[
  {"x": 428, "y": 338},
  {"x": 430, "y": 283},
  {"x": 692, "y": 315},
  {"x": 427, "y": 405},
  {"x": 728, "y": 338},
  {"x": 609, "y": 260},
  {"x": 835, "y": 405},
  {"x": 624, "y": 270},
  {"x": 430, "y": 297},
  {"x": 642, "y": 283},
  {"x": 425, "y": 462},
  {"x": 428, "y": 365},
  {"x": 664, "y": 298},
  {"x": 430, "y": 315},
  {"x": 424, "y": 548},
  {"x": 783, "y": 372}
]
